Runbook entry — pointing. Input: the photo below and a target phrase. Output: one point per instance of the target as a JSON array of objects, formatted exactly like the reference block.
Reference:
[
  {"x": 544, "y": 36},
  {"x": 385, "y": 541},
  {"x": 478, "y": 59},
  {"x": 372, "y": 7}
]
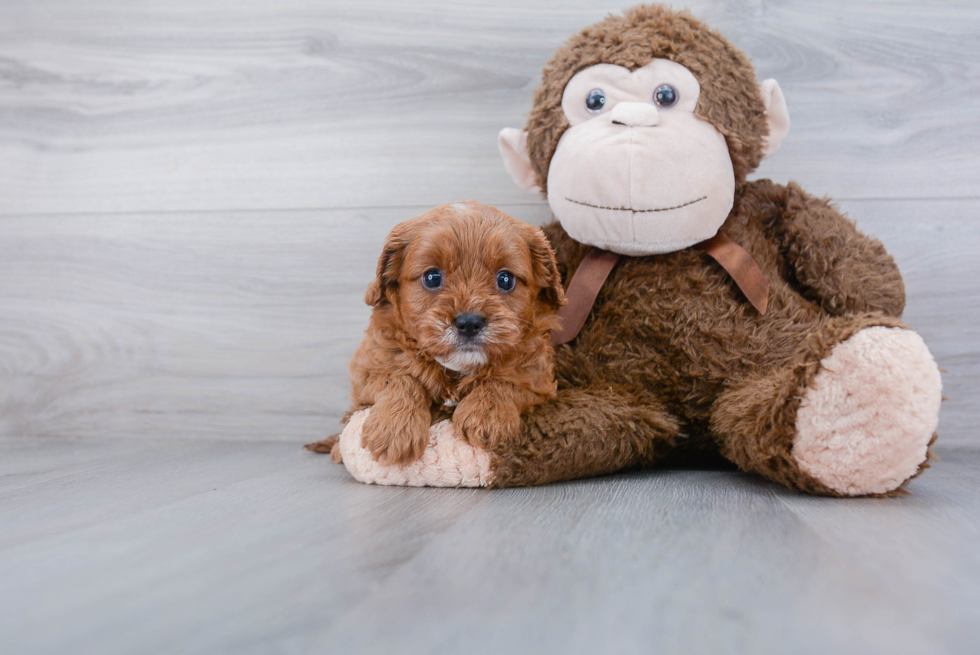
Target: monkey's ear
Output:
[
  {"x": 389, "y": 267},
  {"x": 513, "y": 148},
  {"x": 545, "y": 267},
  {"x": 777, "y": 115}
]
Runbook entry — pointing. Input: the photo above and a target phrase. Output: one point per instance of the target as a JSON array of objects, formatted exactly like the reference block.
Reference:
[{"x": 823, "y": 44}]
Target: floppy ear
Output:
[
  {"x": 545, "y": 267},
  {"x": 777, "y": 115},
  {"x": 389, "y": 267},
  {"x": 513, "y": 148}
]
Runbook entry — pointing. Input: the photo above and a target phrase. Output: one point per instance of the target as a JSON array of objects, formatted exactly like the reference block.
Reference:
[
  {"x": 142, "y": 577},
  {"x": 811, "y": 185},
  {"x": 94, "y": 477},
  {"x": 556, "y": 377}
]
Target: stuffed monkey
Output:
[{"x": 708, "y": 315}]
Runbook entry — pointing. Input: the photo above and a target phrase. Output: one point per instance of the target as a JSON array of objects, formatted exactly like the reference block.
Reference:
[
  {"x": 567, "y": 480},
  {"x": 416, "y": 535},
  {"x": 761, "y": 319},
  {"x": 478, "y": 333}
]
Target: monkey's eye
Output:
[
  {"x": 666, "y": 96},
  {"x": 506, "y": 281},
  {"x": 432, "y": 279},
  {"x": 595, "y": 101}
]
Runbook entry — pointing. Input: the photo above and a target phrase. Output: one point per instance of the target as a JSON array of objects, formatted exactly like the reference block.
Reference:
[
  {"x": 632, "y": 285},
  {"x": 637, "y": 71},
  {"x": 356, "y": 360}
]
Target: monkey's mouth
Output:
[{"x": 638, "y": 211}]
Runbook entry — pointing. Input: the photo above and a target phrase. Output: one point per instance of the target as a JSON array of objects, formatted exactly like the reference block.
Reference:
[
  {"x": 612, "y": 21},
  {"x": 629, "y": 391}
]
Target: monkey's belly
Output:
[{"x": 682, "y": 330}]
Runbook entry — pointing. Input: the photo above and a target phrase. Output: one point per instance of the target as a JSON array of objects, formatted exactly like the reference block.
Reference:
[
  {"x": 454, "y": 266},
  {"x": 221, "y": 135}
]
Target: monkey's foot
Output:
[
  {"x": 447, "y": 461},
  {"x": 865, "y": 424}
]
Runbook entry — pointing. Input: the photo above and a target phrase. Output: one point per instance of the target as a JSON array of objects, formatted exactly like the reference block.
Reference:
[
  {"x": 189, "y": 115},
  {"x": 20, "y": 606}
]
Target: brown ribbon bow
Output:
[{"x": 598, "y": 264}]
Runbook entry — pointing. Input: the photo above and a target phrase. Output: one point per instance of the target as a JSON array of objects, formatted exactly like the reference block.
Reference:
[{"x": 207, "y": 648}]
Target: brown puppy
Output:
[{"x": 464, "y": 302}]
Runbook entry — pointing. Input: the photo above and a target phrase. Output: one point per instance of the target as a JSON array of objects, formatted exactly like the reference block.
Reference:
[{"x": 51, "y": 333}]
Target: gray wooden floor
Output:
[
  {"x": 198, "y": 546},
  {"x": 193, "y": 195}
]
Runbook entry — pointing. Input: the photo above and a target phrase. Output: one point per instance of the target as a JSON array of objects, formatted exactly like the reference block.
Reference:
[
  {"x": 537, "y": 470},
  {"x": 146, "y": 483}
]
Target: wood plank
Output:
[
  {"x": 217, "y": 105},
  {"x": 240, "y": 325},
  {"x": 681, "y": 561},
  {"x": 121, "y": 546},
  {"x": 191, "y": 546}
]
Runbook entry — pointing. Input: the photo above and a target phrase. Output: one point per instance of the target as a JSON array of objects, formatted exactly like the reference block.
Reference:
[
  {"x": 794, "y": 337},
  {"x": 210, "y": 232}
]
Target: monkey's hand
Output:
[
  {"x": 446, "y": 462},
  {"x": 580, "y": 432},
  {"x": 397, "y": 431},
  {"x": 846, "y": 271}
]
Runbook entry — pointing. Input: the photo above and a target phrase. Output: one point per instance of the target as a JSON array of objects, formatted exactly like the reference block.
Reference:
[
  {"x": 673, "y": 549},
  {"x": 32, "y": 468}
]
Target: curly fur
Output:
[{"x": 413, "y": 362}]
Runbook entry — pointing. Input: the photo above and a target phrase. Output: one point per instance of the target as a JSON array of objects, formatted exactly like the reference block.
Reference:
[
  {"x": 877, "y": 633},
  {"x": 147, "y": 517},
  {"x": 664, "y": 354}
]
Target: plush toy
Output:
[{"x": 708, "y": 315}]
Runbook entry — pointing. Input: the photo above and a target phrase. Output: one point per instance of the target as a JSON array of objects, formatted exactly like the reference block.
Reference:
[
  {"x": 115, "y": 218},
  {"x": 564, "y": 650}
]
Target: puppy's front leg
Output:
[
  {"x": 490, "y": 414},
  {"x": 397, "y": 431}
]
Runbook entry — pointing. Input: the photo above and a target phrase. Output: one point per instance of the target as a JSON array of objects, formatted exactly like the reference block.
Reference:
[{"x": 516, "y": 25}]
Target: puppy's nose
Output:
[
  {"x": 635, "y": 114},
  {"x": 469, "y": 324}
]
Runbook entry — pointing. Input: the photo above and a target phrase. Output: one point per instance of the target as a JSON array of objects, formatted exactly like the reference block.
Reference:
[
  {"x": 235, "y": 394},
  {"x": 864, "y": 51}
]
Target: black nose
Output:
[{"x": 469, "y": 324}]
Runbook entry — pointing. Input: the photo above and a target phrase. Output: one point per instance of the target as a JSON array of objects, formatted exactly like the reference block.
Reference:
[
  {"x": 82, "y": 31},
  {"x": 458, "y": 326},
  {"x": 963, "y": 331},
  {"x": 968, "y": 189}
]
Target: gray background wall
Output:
[{"x": 193, "y": 194}]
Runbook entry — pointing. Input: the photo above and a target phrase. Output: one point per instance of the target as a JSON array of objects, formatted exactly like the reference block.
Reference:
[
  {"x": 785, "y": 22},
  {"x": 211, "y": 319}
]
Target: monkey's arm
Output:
[
  {"x": 581, "y": 433},
  {"x": 843, "y": 269}
]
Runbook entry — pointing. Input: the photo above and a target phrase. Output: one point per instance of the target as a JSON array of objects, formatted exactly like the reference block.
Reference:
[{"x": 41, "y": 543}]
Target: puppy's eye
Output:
[
  {"x": 666, "y": 96},
  {"x": 432, "y": 279},
  {"x": 595, "y": 101},
  {"x": 506, "y": 281}
]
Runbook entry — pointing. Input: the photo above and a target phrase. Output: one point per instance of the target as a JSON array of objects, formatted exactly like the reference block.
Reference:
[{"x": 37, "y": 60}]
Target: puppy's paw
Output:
[
  {"x": 396, "y": 437},
  {"x": 484, "y": 423}
]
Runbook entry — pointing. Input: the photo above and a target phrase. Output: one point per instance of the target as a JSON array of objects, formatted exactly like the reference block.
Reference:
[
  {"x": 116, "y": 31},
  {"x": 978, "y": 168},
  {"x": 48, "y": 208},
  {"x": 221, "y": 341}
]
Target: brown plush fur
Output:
[
  {"x": 673, "y": 360},
  {"x": 673, "y": 356},
  {"x": 730, "y": 97},
  {"x": 396, "y": 371}
]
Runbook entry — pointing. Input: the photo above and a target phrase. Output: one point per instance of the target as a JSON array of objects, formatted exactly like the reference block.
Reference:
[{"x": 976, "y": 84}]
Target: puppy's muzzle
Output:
[{"x": 469, "y": 324}]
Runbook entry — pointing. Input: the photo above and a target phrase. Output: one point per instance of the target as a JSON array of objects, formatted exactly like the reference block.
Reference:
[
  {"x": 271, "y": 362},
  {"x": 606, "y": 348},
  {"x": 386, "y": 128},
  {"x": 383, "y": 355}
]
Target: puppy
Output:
[{"x": 464, "y": 302}]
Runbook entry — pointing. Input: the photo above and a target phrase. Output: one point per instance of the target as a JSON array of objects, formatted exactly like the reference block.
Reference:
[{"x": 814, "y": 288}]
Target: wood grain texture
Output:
[
  {"x": 171, "y": 546},
  {"x": 193, "y": 195},
  {"x": 222, "y": 104},
  {"x": 241, "y": 325}
]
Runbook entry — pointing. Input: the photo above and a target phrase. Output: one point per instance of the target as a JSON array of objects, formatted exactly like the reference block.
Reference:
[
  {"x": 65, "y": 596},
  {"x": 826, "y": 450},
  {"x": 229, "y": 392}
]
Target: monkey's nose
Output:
[
  {"x": 469, "y": 324},
  {"x": 635, "y": 114}
]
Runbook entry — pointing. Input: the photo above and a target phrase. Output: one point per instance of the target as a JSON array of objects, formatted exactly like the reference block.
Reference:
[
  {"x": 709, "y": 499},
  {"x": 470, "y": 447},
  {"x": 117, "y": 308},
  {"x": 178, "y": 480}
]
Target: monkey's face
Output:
[{"x": 637, "y": 172}]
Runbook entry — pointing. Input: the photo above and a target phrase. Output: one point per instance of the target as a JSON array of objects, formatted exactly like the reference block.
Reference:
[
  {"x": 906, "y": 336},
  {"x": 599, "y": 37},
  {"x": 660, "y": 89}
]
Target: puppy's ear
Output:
[
  {"x": 545, "y": 267},
  {"x": 385, "y": 283}
]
